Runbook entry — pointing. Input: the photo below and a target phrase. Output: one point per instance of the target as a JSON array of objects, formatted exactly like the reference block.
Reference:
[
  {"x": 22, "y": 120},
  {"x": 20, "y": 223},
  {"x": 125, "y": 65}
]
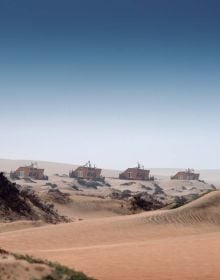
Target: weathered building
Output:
[
  {"x": 30, "y": 171},
  {"x": 86, "y": 172},
  {"x": 136, "y": 173},
  {"x": 186, "y": 175}
]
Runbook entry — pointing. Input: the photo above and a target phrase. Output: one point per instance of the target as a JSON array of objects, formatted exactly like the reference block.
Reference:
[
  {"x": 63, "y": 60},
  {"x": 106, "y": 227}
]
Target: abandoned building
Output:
[
  {"x": 30, "y": 171},
  {"x": 186, "y": 175},
  {"x": 86, "y": 172},
  {"x": 136, "y": 173}
]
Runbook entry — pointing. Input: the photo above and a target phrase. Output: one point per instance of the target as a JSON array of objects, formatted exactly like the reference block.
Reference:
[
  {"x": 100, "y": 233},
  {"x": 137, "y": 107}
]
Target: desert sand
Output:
[
  {"x": 58, "y": 174},
  {"x": 182, "y": 243},
  {"x": 173, "y": 244},
  {"x": 10, "y": 268}
]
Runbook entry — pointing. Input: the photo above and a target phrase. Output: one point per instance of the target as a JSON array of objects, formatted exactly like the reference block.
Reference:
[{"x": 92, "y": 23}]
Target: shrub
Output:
[{"x": 59, "y": 271}]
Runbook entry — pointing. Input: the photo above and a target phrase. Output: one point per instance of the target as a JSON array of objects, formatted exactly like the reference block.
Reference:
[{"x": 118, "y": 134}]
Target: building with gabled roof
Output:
[
  {"x": 189, "y": 174},
  {"x": 86, "y": 172},
  {"x": 30, "y": 171},
  {"x": 136, "y": 173}
]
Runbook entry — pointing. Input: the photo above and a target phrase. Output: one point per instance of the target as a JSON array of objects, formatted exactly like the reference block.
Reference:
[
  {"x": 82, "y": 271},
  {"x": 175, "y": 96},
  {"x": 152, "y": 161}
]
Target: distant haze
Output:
[{"x": 114, "y": 82}]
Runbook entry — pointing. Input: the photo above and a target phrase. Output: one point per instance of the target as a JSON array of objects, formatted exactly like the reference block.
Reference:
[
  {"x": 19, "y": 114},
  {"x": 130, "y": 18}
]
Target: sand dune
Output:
[
  {"x": 84, "y": 207},
  {"x": 10, "y": 268},
  {"x": 18, "y": 225},
  {"x": 205, "y": 210},
  {"x": 25, "y": 267},
  {"x": 171, "y": 244}
]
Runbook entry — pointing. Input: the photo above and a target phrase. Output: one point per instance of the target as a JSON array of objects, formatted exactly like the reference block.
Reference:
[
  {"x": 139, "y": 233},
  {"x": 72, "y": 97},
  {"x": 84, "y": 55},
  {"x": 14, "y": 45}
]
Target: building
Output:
[
  {"x": 29, "y": 171},
  {"x": 186, "y": 175},
  {"x": 86, "y": 172},
  {"x": 136, "y": 173}
]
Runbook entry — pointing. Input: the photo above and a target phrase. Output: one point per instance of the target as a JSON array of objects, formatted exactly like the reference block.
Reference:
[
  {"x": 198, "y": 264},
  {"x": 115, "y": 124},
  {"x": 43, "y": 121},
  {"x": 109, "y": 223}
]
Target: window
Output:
[
  {"x": 80, "y": 174},
  {"x": 21, "y": 174},
  {"x": 91, "y": 174}
]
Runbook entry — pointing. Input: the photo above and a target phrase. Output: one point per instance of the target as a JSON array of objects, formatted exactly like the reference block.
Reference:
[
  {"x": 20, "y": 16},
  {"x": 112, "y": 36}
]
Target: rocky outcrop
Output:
[
  {"x": 145, "y": 202},
  {"x": 17, "y": 203}
]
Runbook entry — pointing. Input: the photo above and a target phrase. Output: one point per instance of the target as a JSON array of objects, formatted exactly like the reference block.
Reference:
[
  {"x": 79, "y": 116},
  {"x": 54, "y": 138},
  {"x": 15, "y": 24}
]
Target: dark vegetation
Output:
[
  {"x": 182, "y": 200},
  {"x": 145, "y": 202},
  {"x": 138, "y": 201},
  {"x": 29, "y": 180},
  {"x": 58, "y": 271},
  {"x": 146, "y": 188},
  {"x": 57, "y": 196},
  {"x": 88, "y": 183},
  {"x": 124, "y": 195},
  {"x": 213, "y": 187},
  {"x": 75, "y": 188},
  {"x": 53, "y": 186},
  {"x": 158, "y": 189},
  {"x": 17, "y": 203},
  {"x": 128, "y": 183},
  {"x": 92, "y": 183}
]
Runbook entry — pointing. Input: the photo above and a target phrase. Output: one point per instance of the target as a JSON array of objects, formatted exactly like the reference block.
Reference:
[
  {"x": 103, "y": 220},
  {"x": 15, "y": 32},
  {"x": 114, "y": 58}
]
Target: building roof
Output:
[
  {"x": 136, "y": 169},
  {"x": 86, "y": 167},
  {"x": 29, "y": 167},
  {"x": 186, "y": 172}
]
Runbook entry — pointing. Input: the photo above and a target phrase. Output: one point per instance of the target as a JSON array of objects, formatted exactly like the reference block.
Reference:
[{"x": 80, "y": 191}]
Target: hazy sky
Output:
[{"x": 114, "y": 82}]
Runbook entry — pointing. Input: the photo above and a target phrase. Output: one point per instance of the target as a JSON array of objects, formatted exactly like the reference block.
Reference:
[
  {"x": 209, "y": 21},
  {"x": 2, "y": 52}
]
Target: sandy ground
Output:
[
  {"x": 58, "y": 175},
  {"x": 172, "y": 244},
  {"x": 18, "y": 225},
  {"x": 160, "y": 245},
  {"x": 10, "y": 268}
]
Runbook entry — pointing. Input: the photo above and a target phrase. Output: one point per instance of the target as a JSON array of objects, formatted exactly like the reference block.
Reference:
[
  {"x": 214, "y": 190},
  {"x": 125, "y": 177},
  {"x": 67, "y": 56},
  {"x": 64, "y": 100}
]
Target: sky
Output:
[{"x": 113, "y": 82}]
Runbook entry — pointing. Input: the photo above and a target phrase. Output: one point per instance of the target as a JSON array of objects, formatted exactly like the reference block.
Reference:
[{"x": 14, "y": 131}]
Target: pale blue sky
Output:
[{"x": 114, "y": 83}]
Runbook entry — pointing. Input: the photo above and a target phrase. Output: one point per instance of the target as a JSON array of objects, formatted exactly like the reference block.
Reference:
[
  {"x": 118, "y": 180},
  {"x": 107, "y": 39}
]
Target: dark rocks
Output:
[
  {"x": 158, "y": 189},
  {"x": 128, "y": 184},
  {"x": 17, "y": 203},
  {"x": 124, "y": 195},
  {"x": 145, "y": 202},
  {"x": 146, "y": 188},
  {"x": 57, "y": 196}
]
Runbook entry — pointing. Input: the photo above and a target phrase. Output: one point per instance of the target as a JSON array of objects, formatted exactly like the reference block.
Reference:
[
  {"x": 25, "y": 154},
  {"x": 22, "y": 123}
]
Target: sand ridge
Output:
[
  {"x": 107, "y": 244},
  {"x": 149, "y": 245}
]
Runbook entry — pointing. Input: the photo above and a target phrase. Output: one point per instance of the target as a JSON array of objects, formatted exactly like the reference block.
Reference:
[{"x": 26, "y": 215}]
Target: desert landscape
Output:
[
  {"x": 104, "y": 230},
  {"x": 109, "y": 144}
]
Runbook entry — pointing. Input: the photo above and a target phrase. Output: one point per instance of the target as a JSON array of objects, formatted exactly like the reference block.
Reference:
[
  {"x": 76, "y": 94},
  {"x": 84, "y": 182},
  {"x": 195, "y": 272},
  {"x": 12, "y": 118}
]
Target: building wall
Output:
[
  {"x": 186, "y": 176},
  {"x": 37, "y": 173},
  {"x": 87, "y": 173},
  {"x": 22, "y": 172},
  {"x": 135, "y": 174},
  {"x": 30, "y": 172}
]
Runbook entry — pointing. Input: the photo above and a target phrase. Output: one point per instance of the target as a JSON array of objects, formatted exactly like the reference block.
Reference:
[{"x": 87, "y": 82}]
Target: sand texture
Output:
[{"x": 109, "y": 244}]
